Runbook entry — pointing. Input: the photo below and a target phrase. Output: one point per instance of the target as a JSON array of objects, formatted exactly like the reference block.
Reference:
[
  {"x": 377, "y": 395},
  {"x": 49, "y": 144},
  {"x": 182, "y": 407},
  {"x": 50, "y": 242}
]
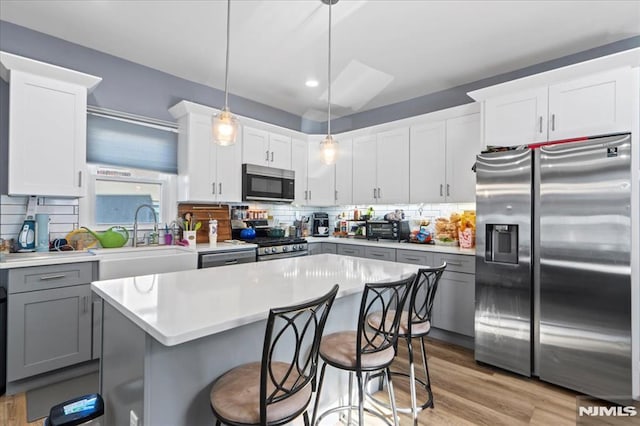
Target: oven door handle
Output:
[{"x": 282, "y": 255}]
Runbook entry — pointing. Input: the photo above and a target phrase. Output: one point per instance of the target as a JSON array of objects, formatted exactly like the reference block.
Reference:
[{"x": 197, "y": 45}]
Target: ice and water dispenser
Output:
[{"x": 502, "y": 243}]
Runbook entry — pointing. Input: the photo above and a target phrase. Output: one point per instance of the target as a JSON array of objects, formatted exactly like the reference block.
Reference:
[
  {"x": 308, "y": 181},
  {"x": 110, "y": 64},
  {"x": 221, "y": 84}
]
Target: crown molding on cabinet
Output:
[
  {"x": 627, "y": 58},
  {"x": 10, "y": 62}
]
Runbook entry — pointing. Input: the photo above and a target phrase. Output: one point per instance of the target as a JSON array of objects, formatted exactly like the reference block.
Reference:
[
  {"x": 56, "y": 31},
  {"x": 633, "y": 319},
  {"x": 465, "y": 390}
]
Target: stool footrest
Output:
[
  {"x": 426, "y": 386},
  {"x": 355, "y": 408}
]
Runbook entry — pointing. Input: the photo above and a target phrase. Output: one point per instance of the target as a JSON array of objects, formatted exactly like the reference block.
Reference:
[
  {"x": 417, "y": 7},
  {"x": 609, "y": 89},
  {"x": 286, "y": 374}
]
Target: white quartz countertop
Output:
[
  {"x": 23, "y": 260},
  {"x": 178, "y": 307},
  {"x": 394, "y": 245}
]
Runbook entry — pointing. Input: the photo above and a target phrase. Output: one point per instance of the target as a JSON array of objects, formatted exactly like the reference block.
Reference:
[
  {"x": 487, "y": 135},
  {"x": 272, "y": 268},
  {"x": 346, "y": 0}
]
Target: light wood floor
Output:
[{"x": 465, "y": 393}]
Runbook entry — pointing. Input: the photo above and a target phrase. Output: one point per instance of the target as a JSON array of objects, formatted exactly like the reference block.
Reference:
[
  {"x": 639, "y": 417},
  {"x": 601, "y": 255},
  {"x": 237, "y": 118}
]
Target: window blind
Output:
[{"x": 123, "y": 142}]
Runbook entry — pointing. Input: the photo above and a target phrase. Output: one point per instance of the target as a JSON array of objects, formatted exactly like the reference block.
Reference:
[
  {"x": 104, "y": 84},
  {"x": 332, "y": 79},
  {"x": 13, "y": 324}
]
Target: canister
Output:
[{"x": 213, "y": 233}]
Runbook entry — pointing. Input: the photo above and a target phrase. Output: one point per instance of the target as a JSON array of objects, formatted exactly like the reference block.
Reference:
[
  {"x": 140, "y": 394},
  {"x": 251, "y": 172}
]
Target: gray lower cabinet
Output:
[
  {"x": 380, "y": 253},
  {"x": 454, "y": 305},
  {"x": 414, "y": 257},
  {"x": 351, "y": 250},
  {"x": 49, "y": 318},
  {"x": 314, "y": 248},
  {"x": 329, "y": 248}
]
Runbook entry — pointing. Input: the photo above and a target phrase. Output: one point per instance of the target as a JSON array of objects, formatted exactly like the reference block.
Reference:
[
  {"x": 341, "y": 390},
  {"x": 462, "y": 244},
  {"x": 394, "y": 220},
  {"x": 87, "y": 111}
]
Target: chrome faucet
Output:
[{"x": 135, "y": 223}]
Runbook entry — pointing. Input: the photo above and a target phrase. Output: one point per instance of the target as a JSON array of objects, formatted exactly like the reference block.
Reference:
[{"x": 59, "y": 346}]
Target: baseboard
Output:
[
  {"x": 450, "y": 337},
  {"x": 52, "y": 377}
]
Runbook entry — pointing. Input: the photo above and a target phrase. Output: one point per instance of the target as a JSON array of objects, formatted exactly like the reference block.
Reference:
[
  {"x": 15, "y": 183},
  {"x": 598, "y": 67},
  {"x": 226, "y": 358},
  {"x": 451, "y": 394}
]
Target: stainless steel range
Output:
[
  {"x": 270, "y": 248},
  {"x": 280, "y": 248}
]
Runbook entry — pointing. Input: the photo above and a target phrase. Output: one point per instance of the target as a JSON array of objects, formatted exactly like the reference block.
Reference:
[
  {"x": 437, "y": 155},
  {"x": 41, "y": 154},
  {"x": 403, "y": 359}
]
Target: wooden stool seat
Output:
[
  {"x": 418, "y": 328},
  {"x": 236, "y": 394},
  {"x": 339, "y": 350}
]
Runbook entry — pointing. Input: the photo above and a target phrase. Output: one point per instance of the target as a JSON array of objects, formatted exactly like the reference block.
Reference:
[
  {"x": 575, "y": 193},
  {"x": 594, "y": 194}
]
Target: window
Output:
[
  {"x": 132, "y": 162},
  {"x": 114, "y": 195}
]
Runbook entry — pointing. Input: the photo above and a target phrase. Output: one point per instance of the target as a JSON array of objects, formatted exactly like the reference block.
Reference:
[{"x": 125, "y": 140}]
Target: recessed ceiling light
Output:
[{"x": 311, "y": 83}]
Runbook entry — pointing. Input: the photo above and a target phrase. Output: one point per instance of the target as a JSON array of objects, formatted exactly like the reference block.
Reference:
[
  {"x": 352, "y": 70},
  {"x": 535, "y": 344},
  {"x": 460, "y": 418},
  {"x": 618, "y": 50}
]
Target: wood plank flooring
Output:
[{"x": 465, "y": 393}]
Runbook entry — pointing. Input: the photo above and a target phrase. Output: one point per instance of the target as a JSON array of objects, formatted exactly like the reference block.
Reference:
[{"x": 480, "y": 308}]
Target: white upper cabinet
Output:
[
  {"x": 392, "y": 171},
  {"x": 463, "y": 145},
  {"x": 344, "y": 172},
  {"x": 592, "y": 105},
  {"x": 265, "y": 148},
  {"x": 516, "y": 119},
  {"x": 299, "y": 166},
  {"x": 380, "y": 172},
  {"x": 365, "y": 188},
  {"x": 320, "y": 177},
  {"x": 206, "y": 171},
  {"x": 568, "y": 106},
  {"x": 47, "y": 127},
  {"x": 442, "y": 154},
  {"x": 427, "y": 156}
]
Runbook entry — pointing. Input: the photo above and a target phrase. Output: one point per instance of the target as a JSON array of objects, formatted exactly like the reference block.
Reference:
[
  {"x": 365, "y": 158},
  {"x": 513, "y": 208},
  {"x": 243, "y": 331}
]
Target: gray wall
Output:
[{"x": 133, "y": 88}]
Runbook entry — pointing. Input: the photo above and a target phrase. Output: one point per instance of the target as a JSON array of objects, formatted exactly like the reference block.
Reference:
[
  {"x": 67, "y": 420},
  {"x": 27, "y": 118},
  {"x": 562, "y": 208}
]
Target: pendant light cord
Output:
[
  {"x": 329, "y": 76},
  {"x": 226, "y": 72}
]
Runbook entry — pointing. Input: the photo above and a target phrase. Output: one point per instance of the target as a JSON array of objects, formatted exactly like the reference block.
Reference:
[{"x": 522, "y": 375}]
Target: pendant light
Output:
[
  {"x": 329, "y": 146},
  {"x": 225, "y": 124}
]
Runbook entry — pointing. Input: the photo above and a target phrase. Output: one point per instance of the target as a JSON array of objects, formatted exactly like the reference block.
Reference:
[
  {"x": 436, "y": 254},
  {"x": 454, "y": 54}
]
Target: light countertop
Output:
[
  {"x": 178, "y": 307},
  {"x": 394, "y": 245},
  {"x": 23, "y": 260}
]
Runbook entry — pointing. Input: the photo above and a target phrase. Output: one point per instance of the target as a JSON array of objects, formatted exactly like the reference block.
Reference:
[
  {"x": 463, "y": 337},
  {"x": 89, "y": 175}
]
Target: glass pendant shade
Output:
[
  {"x": 329, "y": 150},
  {"x": 225, "y": 128}
]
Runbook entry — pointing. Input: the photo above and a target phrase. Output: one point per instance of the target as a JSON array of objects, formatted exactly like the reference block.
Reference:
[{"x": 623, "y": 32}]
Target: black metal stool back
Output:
[
  {"x": 423, "y": 294},
  {"x": 385, "y": 298},
  {"x": 292, "y": 335}
]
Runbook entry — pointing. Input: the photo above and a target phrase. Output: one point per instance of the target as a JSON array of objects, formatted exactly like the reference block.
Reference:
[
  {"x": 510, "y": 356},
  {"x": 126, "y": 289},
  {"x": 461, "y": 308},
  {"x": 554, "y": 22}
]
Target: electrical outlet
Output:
[{"x": 133, "y": 418}]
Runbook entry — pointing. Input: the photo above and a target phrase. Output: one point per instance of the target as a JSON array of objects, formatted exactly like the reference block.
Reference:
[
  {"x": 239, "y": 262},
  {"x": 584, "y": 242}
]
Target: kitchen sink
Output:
[{"x": 132, "y": 261}]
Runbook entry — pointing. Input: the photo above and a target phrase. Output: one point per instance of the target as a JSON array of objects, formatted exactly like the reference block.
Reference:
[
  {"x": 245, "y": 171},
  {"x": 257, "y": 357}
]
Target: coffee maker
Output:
[{"x": 320, "y": 224}]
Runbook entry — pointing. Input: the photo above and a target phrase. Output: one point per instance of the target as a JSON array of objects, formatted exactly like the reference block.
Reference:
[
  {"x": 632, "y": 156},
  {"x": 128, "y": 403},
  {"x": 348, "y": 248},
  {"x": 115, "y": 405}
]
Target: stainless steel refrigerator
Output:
[{"x": 553, "y": 273}]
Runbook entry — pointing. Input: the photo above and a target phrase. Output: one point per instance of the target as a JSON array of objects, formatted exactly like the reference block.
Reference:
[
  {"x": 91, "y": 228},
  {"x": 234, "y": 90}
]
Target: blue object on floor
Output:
[{"x": 76, "y": 411}]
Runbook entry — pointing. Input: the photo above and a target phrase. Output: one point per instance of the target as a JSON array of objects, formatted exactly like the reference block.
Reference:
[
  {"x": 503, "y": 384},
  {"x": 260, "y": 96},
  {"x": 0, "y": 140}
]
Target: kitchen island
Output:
[{"x": 166, "y": 337}]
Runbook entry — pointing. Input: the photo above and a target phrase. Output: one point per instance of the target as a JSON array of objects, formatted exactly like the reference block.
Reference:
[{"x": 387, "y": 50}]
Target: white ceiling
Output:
[{"x": 384, "y": 51}]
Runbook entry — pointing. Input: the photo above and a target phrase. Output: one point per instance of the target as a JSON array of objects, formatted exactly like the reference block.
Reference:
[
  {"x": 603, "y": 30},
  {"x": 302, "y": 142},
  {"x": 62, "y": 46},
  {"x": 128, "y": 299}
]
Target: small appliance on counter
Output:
[
  {"x": 320, "y": 224},
  {"x": 397, "y": 230},
  {"x": 27, "y": 234}
]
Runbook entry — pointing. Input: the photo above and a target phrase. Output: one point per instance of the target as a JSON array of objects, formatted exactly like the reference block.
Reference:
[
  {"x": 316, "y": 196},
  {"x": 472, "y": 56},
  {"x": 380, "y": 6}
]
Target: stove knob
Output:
[
  {"x": 285, "y": 248},
  {"x": 274, "y": 250},
  {"x": 294, "y": 247}
]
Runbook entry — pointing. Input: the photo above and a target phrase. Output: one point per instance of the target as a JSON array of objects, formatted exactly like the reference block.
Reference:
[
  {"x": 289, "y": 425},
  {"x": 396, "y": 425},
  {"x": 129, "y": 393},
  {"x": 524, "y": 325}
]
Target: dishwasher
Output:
[{"x": 210, "y": 260}]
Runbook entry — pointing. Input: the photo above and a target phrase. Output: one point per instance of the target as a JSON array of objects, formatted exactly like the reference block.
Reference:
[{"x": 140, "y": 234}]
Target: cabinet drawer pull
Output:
[
  {"x": 377, "y": 254},
  {"x": 415, "y": 259},
  {"x": 231, "y": 262},
  {"x": 454, "y": 263},
  {"x": 52, "y": 277}
]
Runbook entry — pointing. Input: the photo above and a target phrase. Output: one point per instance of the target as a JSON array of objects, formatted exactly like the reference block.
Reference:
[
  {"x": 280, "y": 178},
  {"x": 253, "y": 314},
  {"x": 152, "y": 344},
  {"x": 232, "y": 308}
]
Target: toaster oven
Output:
[{"x": 397, "y": 230}]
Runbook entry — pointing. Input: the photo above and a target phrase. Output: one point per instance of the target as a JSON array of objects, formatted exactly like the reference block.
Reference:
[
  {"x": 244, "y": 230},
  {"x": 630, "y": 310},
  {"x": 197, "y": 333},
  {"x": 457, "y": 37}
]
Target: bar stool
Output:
[
  {"x": 275, "y": 392},
  {"x": 368, "y": 348},
  {"x": 419, "y": 311}
]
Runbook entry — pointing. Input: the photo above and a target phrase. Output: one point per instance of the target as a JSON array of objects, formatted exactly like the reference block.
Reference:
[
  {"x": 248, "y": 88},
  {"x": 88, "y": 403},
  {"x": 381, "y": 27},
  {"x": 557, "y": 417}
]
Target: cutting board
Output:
[{"x": 202, "y": 213}]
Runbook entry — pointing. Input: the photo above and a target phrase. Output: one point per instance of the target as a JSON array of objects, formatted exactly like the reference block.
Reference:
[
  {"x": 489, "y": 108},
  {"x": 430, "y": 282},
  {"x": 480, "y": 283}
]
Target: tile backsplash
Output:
[
  {"x": 63, "y": 215},
  {"x": 287, "y": 213}
]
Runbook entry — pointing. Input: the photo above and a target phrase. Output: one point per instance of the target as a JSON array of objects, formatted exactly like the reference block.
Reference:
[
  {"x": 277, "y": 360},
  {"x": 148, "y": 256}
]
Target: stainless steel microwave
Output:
[{"x": 260, "y": 183}]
